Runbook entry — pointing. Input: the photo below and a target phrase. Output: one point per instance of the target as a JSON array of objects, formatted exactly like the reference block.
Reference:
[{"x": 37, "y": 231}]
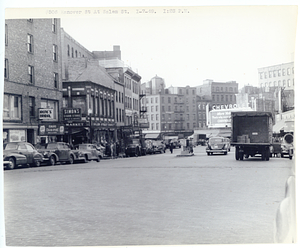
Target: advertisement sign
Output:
[
  {"x": 220, "y": 118},
  {"x": 17, "y": 135},
  {"x": 46, "y": 114},
  {"x": 72, "y": 114},
  {"x": 51, "y": 129}
]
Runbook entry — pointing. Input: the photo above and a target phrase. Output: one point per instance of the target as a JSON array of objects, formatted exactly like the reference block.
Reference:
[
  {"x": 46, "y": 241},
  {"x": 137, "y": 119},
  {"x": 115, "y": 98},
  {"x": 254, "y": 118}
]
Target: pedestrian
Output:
[
  {"x": 171, "y": 147},
  {"x": 117, "y": 149},
  {"x": 112, "y": 150}
]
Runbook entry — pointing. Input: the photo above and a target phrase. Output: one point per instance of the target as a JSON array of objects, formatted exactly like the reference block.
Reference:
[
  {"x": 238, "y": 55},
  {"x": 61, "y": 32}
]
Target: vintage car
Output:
[
  {"x": 89, "y": 152},
  {"x": 20, "y": 153},
  {"x": 60, "y": 152},
  {"x": 218, "y": 145},
  {"x": 158, "y": 146},
  {"x": 132, "y": 150}
]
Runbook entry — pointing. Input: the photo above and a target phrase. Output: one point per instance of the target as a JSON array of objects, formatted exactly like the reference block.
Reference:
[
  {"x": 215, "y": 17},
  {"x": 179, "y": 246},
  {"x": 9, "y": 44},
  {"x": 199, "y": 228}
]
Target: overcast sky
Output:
[{"x": 219, "y": 43}]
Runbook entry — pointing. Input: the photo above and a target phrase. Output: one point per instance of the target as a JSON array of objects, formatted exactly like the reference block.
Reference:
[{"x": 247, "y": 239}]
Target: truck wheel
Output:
[
  {"x": 290, "y": 157},
  {"x": 237, "y": 157},
  {"x": 241, "y": 155},
  {"x": 263, "y": 155}
]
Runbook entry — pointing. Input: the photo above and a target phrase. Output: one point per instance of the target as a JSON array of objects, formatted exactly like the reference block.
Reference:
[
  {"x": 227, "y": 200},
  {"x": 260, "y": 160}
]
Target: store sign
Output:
[
  {"x": 51, "y": 129},
  {"x": 46, "y": 114},
  {"x": 72, "y": 114}
]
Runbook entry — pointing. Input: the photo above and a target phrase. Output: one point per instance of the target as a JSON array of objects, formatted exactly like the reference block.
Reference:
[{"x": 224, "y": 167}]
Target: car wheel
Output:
[
  {"x": 37, "y": 163},
  {"x": 71, "y": 160},
  {"x": 12, "y": 163},
  {"x": 52, "y": 161},
  {"x": 225, "y": 153}
]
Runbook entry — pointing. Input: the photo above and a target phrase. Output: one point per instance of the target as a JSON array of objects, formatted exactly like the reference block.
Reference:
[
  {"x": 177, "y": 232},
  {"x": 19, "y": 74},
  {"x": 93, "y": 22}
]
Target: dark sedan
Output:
[{"x": 20, "y": 153}]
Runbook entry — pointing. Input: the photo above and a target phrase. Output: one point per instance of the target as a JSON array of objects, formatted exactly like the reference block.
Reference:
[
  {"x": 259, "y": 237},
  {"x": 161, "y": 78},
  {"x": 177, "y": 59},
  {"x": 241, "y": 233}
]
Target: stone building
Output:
[{"x": 32, "y": 81}]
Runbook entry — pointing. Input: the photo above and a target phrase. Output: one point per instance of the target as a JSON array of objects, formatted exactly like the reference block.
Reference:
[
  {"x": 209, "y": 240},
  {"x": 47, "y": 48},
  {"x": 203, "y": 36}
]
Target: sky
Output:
[
  {"x": 222, "y": 43},
  {"x": 218, "y": 43}
]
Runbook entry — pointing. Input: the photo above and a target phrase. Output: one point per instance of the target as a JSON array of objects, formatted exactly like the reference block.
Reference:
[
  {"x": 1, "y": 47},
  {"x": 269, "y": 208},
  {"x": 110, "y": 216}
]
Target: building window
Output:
[
  {"x": 156, "y": 126},
  {"x": 230, "y": 98},
  {"x": 213, "y": 97},
  {"x": 289, "y": 83},
  {"x": 54, "y": 48},
  {"x": 12, "y": 107},
  {"x": 222, "y": 98},
  {"x": 6, "y": 68},
  {"x": 151, "y": 100},
  {"x": 169, "y": 99},
  {"x": 226, "y": 98},
  {"x": 68, "y": 50},
  {"x": 54, "y": 25},
  {"x": 6, "y": 35},
  {"x": 163, "y": 108},
  {"x": 162, "y": 100},
  {"x": 274, "y": 73},
  {"x": 157, "y": 117},
  {"x": 217, "y": 89},
  {"x": 283, "y": 72},
  {"x": 156, "y": 108},
  {"x": 261, "y": 75},
  {"x": 31, "y": 74},
  {"x": 152, "y": 117},
  {"x": 289, "y": 71},
  {"x": 265, "y": 74},
  {"x": 218, "y": 98},
  {"x": 31, "y": 106},
  {"x": 156, "y": 99},
  {"x": 169, "y": 108},
  {"x": 283, "y": 84},
  {"x": 50, "y": 104},
  {"x": 55, "y": 78},
  {"x": 29, "y": 43},
  {"x": 76, "y": 53},
  {"x": 270, "y": 74},
  {"x": 279, "y": 73},
  {"x": 279, "y": 83},
  {"x": 72, "y": 52}
]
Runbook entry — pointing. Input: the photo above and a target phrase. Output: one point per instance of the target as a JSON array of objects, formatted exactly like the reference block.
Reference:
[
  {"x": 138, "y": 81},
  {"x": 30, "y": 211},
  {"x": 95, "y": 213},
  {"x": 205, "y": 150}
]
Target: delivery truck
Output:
[{"x": 251, "y": 134}]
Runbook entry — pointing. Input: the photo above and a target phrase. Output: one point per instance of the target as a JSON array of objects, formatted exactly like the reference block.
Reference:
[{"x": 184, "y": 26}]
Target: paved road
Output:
[{"x": 151, "y": 200}]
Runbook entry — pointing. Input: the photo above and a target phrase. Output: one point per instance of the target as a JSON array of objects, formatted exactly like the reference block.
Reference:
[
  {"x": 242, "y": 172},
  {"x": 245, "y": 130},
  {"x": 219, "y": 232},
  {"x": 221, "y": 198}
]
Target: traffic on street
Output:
[{"x": 158, "y": 199}]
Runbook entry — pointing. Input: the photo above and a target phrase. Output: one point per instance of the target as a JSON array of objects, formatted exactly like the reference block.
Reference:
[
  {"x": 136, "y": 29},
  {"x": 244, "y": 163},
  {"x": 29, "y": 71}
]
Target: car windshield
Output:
[
  {"x": 82, "y": 146},
  {"x": 216, "y": 140},
  {"x": 11, "y": 146},
  {"x": 51, "y": 146}
]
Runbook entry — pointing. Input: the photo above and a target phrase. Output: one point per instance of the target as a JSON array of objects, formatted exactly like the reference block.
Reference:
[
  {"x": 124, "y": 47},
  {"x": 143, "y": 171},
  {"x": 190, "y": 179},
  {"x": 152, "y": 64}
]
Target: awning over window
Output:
[
  {"x": 152, "y": 136},
  {"x": 284, "y": 125}
]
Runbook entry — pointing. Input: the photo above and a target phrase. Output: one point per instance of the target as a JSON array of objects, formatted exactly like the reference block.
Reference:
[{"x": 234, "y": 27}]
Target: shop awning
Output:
[
  {"x": 152, "y": 135},
  {"x": 284, "y": 126}
]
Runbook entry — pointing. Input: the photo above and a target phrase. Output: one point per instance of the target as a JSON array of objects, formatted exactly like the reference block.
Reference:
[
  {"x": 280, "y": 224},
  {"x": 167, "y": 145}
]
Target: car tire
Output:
[
  {"x": 37, "y": 163},
  {"x": 225, "y": 153},
  {"x": 71, "y": 160},
  {"x": 52, "y": 161},
  {"x": 12, "y": 164}
]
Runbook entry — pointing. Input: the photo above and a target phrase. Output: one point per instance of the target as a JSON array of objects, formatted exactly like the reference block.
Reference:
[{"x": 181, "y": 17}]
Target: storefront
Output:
[{"x": 50, "y": 132}]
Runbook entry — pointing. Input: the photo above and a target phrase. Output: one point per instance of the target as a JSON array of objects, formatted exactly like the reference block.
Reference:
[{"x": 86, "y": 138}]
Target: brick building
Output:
[{"x": 32, "y": 81}]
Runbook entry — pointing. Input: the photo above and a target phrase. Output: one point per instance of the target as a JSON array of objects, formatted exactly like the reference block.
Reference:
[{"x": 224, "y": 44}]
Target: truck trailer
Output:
[{"x": 251, "y": 134}]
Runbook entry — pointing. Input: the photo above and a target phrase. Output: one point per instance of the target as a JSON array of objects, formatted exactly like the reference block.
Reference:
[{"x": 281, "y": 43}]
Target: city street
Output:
[{"x": 156, "y": 199}]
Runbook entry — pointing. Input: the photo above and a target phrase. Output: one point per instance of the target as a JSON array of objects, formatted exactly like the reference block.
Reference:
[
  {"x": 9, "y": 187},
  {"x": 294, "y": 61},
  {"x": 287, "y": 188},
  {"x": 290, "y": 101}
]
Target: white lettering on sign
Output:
[{"x": 224, "y": 106}]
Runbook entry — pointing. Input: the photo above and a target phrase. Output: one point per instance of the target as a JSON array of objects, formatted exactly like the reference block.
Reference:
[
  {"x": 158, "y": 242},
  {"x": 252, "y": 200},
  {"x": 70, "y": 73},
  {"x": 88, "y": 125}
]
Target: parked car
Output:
[
  {"x": 132, "y": 150},
  {"x": 218, "y": 145},
  {"x": 60, "y": 152},
  {"x": 159, "y": 146},
  {"x": 20, "y": 153},
  {"x": 88, "y": 152}
]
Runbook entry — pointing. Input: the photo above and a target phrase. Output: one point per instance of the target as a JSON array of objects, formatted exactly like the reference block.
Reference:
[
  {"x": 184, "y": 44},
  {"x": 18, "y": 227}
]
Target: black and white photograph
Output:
[{"x": 149, "y": 124}]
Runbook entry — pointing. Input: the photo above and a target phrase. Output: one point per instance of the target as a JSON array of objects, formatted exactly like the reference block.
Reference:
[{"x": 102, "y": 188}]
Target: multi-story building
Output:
[
  {"x": 170, "y": 111},
  {"x": 131, "y": 81},
  {"x": 89, "y": 102},
  {"x": 32, "y": 81},
  {"x": 215, "y": 96},
  {"x": 277, "y": 82}
]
